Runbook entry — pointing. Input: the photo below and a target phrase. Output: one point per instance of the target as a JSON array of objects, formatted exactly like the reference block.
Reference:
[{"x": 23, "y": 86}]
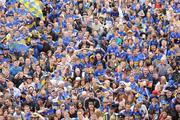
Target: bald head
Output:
[
  {"x": 84, "y": 94},
  {"x": 163, "y": 78}
]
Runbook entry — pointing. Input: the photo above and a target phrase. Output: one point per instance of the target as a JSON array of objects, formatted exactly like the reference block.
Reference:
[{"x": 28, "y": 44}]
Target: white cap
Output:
[
  {"x": 163, "y": 57},
  {"x": 127, "y": 89},
  {"x": 1, "y": 94},
  {"x": 78, "y": 78}
]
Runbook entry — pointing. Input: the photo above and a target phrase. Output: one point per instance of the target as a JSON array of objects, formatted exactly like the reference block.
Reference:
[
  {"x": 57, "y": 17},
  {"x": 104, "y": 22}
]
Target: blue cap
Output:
[
  {"x": 66, "y": 96},
  {"x": 40, "y": 97},
  {"x": 6, "y": 48},
  {"x": 156, "y": 97},
  {"x": 169, "y": 53},
  {"x": 80, "y": 56},
  {"x": 99, "y": 63},
  {"x": 163, "y": 102},
  {"x": 154, "y": 42},
  {"x": 1, "y": 52},
  {"x": 140, "y": 99},
  {"x": 122, "y": 33},
  {"x": 58, "y": 56},
  {"x": 88, "y": 65},
  {"x": 98, "y": 73},
  {"x": 43, "y": 37}
]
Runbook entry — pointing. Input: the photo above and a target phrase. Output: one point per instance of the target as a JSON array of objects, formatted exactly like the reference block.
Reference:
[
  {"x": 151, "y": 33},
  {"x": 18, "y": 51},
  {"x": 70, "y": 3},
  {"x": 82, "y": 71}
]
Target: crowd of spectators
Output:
[{"x": 90, "y": 60}]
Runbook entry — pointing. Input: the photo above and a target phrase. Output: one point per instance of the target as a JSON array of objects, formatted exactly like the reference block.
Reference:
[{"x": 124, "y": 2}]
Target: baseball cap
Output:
[
  {"x": 163, "y": 102},
  {"x": 99, "y": 63},
  {"x": 155, "y": 92},
  {"x": 78, "y": 79},
  {"x": 1, "y": 52}
]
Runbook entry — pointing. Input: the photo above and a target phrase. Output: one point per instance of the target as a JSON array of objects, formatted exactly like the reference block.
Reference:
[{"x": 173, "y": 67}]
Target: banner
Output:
[{"x": 33, "y": 6}]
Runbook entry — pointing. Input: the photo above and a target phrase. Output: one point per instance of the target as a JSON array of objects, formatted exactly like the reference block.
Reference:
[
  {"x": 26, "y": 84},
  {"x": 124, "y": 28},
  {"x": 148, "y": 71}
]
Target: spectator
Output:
[{"x": 90, "y": 60}]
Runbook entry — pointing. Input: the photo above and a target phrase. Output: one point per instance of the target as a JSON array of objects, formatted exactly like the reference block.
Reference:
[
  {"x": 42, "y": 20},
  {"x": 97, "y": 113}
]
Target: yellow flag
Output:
[{"x": 34, "y": 7}]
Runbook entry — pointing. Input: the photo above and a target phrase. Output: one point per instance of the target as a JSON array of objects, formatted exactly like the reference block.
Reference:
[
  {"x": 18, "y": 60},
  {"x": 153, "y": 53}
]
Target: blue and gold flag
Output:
[{"x": 34, "y": 7}]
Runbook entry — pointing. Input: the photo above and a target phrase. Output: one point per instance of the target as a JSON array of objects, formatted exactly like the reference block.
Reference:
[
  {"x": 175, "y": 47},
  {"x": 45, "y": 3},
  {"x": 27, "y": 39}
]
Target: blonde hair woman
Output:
[{"x": 99, "y": 114}]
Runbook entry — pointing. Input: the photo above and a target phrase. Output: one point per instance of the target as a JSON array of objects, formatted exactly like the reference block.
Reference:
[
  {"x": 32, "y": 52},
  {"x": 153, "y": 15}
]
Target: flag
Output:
[
  {"x": 33, "y": 6},
  {"x": 18, "y": 47}
]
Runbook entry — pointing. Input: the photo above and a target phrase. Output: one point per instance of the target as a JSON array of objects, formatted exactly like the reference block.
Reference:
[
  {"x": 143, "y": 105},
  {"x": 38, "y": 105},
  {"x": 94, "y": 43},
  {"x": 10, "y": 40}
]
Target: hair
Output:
[
  {"x": 18, "y": 107},
  {"x": 98, "y": 113},
  {"x": 81, "y": 110},
  {"x": 51, "y": 117},
  {"x": 10, "y": 117},
  {"x": 120, "y": 97},
  {"x": 26, "y": 105},
  {"x": 112, "y": 117}
]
